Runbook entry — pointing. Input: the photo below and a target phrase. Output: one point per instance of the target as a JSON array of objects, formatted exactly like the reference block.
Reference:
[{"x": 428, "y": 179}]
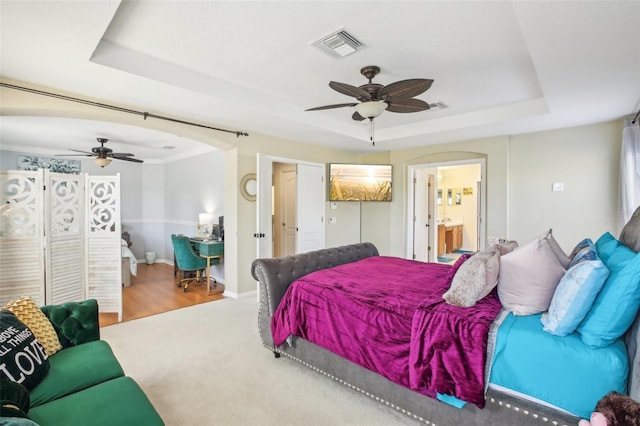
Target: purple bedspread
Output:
[{"x": 387, "y": 314}]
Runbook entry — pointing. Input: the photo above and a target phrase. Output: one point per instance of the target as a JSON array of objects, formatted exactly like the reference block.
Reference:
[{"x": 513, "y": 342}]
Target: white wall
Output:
[{"x": 586, "y": 159}]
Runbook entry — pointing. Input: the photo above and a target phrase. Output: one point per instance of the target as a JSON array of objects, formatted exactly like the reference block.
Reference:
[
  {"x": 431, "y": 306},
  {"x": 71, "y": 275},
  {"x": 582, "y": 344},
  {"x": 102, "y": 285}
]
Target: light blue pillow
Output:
[
  {"x": 575, "y": 294},
  {"x": 617, "y": 304}
]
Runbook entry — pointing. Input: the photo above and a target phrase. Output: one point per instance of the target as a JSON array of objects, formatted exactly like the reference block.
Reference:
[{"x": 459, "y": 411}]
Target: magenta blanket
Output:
[{"x": 387, "y": 314}]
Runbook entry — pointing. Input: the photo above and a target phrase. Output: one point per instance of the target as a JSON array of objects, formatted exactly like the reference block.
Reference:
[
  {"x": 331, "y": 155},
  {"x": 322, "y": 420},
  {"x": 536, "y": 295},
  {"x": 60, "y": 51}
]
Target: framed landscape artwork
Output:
[{"x": 58, "y": 165}]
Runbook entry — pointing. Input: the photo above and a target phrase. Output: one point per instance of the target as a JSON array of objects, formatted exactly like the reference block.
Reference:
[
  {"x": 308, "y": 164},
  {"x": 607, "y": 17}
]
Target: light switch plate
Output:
[{"x": 557, "y": 186}]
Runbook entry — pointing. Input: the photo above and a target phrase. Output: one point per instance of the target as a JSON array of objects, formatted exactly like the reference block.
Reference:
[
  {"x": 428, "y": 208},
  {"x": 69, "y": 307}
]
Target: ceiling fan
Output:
[
  {"x": 104, "y": 155},
  {"x": 375, "y": 98}
]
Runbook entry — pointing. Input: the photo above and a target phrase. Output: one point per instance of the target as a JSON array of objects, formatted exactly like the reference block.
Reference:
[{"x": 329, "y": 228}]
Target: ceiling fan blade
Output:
[
  {"x": 404, "y": 89},
  {"x": 349, "y": 90},
  {"x": 88, "y": 154},
  {"x": 133, "y": 160},
  {"x": 356, "y": 116},
  {"x": 121, "y": 154},
  {"x": 332, "y": 106},
  {"x": 408, "y": 105}
]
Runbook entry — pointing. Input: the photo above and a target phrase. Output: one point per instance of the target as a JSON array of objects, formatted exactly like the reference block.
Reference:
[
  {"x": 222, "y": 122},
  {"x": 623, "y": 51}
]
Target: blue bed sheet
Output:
[{"x": 561, "y": 371}]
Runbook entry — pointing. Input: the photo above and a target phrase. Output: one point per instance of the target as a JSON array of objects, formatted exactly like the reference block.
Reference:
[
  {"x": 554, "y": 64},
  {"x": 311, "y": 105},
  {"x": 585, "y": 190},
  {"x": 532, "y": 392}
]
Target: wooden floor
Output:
[{"x": 154, "y": 291}]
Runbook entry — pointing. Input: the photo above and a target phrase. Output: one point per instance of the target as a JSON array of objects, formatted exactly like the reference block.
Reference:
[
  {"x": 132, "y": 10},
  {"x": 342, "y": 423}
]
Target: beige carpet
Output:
[{"x": 205, "y": 365}]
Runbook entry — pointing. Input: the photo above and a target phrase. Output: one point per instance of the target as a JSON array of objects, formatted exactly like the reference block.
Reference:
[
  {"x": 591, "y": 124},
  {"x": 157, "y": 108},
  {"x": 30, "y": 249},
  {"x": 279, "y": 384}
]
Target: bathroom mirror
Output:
[{"x": 449, "y": 197}]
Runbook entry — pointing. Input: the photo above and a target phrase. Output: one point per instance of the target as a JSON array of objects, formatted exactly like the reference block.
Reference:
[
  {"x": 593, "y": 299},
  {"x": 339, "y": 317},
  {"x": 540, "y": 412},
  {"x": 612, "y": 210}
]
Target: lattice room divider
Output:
[{"x": 60, "y": 238}]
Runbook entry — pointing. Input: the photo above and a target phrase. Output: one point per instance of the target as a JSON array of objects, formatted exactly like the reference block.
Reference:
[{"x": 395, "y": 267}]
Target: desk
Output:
[{"x": 210, "y": 250}]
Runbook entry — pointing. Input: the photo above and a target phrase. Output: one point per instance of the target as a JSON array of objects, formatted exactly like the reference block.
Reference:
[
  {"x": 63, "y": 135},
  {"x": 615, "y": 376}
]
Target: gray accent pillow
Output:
[
  {"x": 474, "y": 279},
  {"x": 529, "y": 276},
  {"x": 630, "y": 234}
]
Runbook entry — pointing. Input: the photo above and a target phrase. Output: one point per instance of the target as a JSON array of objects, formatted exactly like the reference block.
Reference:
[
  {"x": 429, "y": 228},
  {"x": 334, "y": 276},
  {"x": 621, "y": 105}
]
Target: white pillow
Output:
[{"x": 529, "y": 276}]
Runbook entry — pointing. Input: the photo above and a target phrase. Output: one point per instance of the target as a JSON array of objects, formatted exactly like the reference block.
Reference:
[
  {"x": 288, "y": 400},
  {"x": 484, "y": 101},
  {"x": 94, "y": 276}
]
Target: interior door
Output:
[
  {"x": 264, "y": 233},
  {"x": 420, "y": 215},
  {"x": 310, "y": 207},
  {"x": 288, "y": 211}
]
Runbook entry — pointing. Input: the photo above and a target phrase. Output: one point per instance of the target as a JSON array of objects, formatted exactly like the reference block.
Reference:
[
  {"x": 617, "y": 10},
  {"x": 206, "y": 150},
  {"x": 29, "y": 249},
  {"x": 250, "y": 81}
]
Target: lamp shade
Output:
[
  {"x": 207, "y": 219},
  {"x": 371, "y": 109},
  {"x": 102, "y": 162}
]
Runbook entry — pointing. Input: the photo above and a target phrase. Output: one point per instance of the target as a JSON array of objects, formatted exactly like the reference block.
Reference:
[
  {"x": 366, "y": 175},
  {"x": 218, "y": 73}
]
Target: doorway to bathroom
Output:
[{"x": 446, "y": 210}]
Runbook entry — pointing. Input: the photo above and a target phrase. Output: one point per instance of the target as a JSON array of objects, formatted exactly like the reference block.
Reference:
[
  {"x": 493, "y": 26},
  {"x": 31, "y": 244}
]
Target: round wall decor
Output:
[{"x": 249, "y": 186}]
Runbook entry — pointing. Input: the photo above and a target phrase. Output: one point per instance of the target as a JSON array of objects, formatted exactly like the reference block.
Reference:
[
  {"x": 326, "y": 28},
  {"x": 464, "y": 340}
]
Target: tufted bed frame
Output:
[{"x": 276, "y": 274}]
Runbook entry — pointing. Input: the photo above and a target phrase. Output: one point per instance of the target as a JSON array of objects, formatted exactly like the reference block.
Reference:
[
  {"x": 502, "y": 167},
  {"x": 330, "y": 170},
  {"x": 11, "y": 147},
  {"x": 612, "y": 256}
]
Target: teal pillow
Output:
[
  {"x": 575, "y": 294},
  {"x": 24, "y": 360},
  {"x": 617, "y": 304},
  {"x": 606, "y": 245}
]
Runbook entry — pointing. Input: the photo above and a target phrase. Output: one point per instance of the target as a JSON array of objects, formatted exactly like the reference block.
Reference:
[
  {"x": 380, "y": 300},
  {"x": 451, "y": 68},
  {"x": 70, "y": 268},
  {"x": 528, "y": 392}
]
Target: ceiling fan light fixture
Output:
[
  {"x": 102, "y": 162},
  {"x": 371, "y": 109}
]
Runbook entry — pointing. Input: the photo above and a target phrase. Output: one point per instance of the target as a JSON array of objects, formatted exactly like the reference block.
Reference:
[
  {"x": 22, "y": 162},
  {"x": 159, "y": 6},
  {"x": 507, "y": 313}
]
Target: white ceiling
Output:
[{"x": 501, "y": 67}]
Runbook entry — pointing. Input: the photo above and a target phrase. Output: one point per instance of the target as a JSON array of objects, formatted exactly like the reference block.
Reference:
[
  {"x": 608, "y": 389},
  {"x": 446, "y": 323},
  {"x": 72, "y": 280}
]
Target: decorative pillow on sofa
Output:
[
  {"x": 24, "y": 359},
  {"x": 474, "y": 279},
  {"x": 27, "y": 311},
  {"x": 529, "y": 276},
  {"x": 14, "y": 400},
  {"x": 617, "y": 303},
  {"x": 575, "y": 294}
]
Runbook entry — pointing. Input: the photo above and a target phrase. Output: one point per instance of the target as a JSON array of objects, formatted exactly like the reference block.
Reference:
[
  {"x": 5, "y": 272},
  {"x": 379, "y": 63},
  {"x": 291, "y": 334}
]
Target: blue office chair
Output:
[{"x": 187, "y": 259}]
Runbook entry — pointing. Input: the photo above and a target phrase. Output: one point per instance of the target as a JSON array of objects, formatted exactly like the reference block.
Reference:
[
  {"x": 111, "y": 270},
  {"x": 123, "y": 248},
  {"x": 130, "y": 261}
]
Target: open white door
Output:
[
  {"x": 264, "y": 231},
  {"x": 310, "y": 207},
  {"x": 421, "y": 215}
]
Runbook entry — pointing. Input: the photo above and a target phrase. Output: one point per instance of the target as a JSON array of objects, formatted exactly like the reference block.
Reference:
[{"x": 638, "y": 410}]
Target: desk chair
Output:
[{"x": 187, "y": 259}]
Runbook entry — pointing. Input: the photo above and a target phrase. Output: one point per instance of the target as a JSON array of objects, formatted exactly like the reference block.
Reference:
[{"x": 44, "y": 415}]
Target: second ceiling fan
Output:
[{"x": 376, "y": 98}]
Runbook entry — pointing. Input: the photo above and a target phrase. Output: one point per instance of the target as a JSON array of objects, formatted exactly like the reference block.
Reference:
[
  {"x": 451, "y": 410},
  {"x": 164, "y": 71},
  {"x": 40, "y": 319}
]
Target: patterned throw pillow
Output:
[
  {"x": 575, "y": 294},
  {"x": 30, "y": 314},
  {"x": 474, "y": 279},
  {"x": 580, "y": 248},
  {"x": 23, "y": 358}
]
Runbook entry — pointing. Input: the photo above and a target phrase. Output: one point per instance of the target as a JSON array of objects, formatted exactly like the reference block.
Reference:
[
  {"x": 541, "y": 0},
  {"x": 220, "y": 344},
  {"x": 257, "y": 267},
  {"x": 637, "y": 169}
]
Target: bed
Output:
[{"x": 485, "y": 377}]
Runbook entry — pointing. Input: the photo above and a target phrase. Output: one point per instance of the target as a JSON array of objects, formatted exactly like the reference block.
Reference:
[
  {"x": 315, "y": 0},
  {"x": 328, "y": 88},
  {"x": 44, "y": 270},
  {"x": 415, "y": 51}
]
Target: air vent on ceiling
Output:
[{"x": 339, "y": 44}]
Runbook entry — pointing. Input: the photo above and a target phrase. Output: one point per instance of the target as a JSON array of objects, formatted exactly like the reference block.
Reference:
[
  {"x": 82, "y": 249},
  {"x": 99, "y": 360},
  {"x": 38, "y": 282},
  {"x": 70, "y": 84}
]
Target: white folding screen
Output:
[
  {"x": 60, "y": 238},
  {"x": 22, "y": 270},
  {"x": 64, "y": 235},
  {"x": 104, "y": 257}
]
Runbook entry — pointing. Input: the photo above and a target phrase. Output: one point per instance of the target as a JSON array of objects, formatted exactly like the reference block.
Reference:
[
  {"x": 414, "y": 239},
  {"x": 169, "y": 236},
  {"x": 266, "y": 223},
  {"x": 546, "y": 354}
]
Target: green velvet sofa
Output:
[{"x": 85, "y": 384}]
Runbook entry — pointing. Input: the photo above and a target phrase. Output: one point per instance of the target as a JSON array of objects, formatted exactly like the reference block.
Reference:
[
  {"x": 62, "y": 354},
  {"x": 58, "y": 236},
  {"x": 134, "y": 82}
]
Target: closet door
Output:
[
  {"x": 104, "y": 258},
  {"x": 22, "y": 269},
  {"x": 64, "y": 234}
]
